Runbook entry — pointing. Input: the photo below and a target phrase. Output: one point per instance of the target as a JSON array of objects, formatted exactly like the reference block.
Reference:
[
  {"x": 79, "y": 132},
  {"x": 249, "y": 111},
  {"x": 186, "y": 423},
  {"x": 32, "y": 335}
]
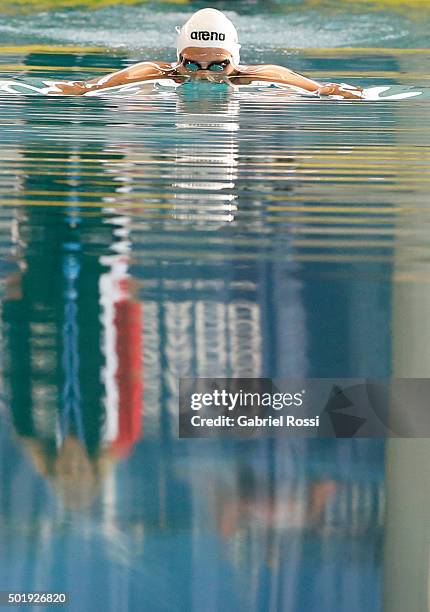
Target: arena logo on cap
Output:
[{"x": 205, "y": 35}]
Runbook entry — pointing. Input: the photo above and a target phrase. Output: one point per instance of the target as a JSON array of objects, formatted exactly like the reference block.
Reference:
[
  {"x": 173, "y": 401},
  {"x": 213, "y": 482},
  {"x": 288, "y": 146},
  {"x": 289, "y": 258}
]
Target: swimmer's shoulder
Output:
[
  {"x": 257, "y": 69},
  {"x": 246, "y": 74},
  {"x": 152, "y": 67}
]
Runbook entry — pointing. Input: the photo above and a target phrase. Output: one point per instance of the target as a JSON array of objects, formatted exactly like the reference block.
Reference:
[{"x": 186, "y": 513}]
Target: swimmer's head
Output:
[{"x": 209, "y": 29}]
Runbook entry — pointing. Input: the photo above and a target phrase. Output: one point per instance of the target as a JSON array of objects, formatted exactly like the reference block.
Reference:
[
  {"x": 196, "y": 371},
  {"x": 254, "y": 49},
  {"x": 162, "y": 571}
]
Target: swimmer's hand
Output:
[
  {"x": 349, "y": 92},
  {"x": 66, "y": 88}
]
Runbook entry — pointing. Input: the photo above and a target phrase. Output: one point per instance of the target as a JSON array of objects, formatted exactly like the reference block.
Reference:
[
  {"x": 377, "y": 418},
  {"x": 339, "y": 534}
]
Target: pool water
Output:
[{"x": 201, "y": 231}]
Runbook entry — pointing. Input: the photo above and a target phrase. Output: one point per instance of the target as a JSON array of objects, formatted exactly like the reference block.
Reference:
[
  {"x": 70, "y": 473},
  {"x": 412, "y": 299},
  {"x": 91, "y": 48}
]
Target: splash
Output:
[{"x": 168, "y": 86}]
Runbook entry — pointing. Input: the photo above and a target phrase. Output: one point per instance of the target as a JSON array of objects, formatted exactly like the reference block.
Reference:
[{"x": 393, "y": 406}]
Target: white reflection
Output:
[{"x": 202, "y": 179}]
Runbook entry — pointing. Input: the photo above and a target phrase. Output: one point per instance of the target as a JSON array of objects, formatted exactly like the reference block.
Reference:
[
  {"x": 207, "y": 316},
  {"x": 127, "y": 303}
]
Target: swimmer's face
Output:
[{"x": 204, "y": 63}]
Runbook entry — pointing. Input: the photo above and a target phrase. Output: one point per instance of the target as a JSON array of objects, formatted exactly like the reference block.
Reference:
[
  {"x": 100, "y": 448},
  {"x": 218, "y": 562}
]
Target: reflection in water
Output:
[
  {"x": 72, "y": 339},
  {"x": 195, "y": 233}
]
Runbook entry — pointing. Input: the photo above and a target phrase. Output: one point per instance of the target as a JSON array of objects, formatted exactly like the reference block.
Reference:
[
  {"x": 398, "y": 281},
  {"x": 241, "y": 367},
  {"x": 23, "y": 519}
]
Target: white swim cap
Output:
[{"x": 209, "y": 28}]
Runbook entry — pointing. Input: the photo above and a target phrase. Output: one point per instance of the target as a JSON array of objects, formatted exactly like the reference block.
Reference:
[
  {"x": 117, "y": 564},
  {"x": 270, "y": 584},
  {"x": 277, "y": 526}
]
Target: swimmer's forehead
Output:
[{"x": 206, "y": 54}]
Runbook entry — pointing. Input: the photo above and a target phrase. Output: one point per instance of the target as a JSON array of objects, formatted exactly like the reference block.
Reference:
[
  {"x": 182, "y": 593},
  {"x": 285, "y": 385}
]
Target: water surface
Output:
[{"x": 201, "y": 232}]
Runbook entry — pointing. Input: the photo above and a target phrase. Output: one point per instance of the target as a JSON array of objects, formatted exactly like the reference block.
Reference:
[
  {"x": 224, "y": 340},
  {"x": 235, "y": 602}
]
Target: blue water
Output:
[
  {"x": 202, "y": 232},
  {"x": 261, "y": 25}
]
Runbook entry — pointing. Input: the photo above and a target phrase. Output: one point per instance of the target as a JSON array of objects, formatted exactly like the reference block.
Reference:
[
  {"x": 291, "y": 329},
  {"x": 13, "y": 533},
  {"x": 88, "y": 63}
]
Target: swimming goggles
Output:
[{"x": 193, "y": 66}]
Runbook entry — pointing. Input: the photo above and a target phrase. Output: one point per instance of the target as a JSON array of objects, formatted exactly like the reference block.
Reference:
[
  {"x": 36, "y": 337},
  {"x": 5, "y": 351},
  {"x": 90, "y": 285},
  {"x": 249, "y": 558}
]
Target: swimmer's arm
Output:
[
  {"x": 278, "y": 74},
  {"x": 284, "y": 76},
  {"x": 143, "y": 71}
]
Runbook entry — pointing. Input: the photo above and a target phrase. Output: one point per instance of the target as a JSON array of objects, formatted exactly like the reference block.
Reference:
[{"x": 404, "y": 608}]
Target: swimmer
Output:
[{"x": 208, "y": 48}]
